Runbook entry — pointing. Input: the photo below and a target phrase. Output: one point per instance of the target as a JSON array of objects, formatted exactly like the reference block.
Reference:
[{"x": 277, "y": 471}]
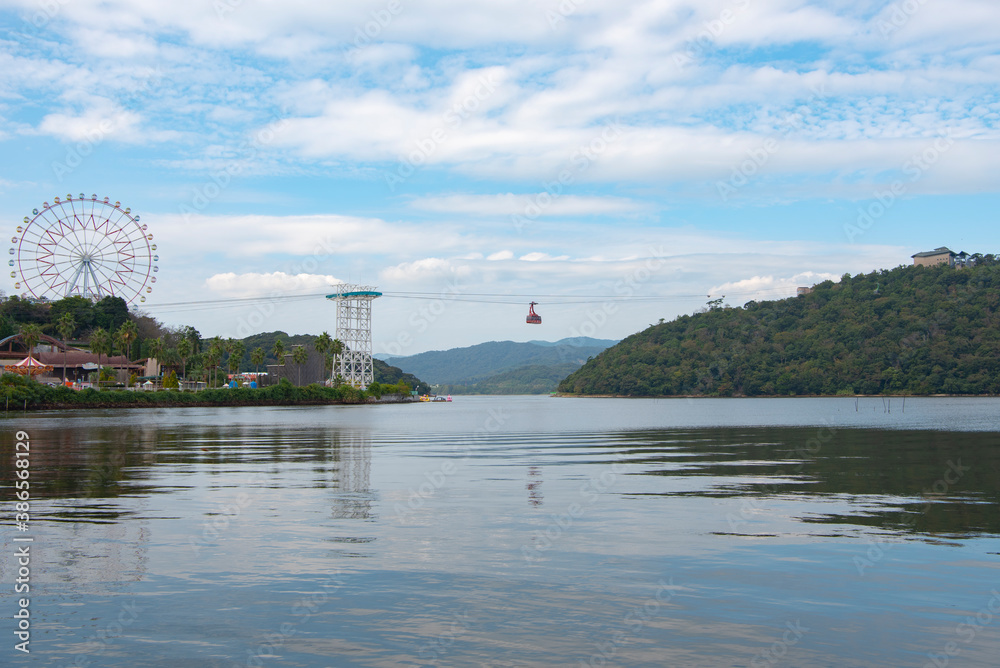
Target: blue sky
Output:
[{"x": 566, "y": 151}]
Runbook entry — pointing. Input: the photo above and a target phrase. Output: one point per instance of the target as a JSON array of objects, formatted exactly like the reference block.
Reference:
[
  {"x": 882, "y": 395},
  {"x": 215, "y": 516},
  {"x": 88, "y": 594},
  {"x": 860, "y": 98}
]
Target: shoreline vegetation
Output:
[
  {"x": 570, "y": 395},
  {"x": 26, "y": 394}
]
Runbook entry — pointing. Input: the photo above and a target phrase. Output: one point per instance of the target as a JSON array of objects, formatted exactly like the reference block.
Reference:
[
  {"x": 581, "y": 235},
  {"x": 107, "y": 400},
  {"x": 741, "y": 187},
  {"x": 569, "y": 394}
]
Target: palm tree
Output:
[
  {"x": 299, "y": 356},
  {"x": 184, "y": 350},
  {"x": 257, "y": 358},
  {"x": 336, "y": 349},
  {"x": 322, "y": 346},
  {"x": 236, "y": 350},
  {"x": 66, "y": 325},
  {"x": 30, "y": 334},
  {"x": 126, "y": 335},
  {"x": 279, "y": 351},
  {"x": 100, "y": 343},
  {"x": 192, "y": 335},
  {"x": 213, "y": 357},
  {"x": 155, "y": 348}
]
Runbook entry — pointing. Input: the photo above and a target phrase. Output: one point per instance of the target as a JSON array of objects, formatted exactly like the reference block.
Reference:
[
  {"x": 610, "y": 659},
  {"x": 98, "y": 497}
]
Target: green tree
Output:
[
  {"x": 336, "y": 349},
  {"x": 30, "y": 335},
  {"x": 192, "y": 335},
  {"x": 66, "y": 325},
  {"x": 154, "y": 347},
  {"x": 111, "y": 313},
  {"x": 299, "y": 356},
  {"x": 184, "y": 350},
  {"x": 126, "y": 336},
  {"x": 101, "y": 344},
  {"x": 79, "y": 308},
  {"x": 322, "y": 345},
  {"x": 257, "y": 358},
  {"x": 213, "y": 357},
  {"x": 170, "y": 381},
  {"x": 236, "y": 350},
  {"x": 279, "y": 351}
]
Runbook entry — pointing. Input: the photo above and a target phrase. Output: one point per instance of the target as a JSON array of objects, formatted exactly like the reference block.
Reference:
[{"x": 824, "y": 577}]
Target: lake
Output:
[{"x": 512, "y": 531}]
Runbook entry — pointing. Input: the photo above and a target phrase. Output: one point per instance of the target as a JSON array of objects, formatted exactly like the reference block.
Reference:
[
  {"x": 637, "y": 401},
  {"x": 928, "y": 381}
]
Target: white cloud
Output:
[
  {"x": 311, "y": 238},
  {"x": 769, "y": 287},
  {"x": 541, "y": 257},
  {"x": 253, "y": 284},
  {"x": 426, "y": 269},
  {"x": 544, "y": 203}
]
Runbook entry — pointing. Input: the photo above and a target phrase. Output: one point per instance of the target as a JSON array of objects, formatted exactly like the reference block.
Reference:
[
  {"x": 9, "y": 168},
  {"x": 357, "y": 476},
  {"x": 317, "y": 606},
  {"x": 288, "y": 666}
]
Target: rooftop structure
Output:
[{"x": 942, "y": 255}]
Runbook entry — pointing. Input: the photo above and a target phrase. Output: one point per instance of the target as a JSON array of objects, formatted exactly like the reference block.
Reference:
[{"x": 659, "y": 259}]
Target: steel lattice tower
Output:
[{"x": 354, "y": 329}]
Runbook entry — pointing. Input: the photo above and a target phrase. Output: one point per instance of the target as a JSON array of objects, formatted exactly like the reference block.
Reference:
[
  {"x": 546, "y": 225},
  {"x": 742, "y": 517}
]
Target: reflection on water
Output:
[
  {"x": 929, "y": 483},
  {"x": 534, "y": 486},
  {"x": 351, "y": 455},
  {"x": 654, "y": 533}
]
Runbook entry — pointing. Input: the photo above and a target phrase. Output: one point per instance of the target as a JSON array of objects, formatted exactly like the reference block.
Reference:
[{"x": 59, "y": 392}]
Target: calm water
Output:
[{"x": 514, "y": 531}]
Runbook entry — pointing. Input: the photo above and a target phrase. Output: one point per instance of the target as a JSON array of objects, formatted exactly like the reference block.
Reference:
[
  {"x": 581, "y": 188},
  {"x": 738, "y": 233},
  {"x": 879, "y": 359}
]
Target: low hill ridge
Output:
[{"x": 912, "y": 330}]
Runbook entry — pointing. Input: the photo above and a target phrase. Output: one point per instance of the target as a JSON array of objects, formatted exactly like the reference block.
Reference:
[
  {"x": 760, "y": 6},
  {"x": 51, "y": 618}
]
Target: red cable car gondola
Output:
[{"x": 533, "y": 318}]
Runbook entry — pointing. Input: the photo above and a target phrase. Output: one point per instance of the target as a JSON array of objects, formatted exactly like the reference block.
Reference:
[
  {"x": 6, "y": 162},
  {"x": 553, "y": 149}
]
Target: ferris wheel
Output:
[{"x": 83, "y": 246}]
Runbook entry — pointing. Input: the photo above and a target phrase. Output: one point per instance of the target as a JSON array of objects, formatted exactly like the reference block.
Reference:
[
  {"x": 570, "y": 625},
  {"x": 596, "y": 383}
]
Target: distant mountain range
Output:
[{"x": 501, "y": 367}]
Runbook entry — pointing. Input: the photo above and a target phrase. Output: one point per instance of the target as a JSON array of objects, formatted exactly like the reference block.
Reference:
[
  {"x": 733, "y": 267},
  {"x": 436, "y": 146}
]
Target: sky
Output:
[{"x": 618, "y": 162}]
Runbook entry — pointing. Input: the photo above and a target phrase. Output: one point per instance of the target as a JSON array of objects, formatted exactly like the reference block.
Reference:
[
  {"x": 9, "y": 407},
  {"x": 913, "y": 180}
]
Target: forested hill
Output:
[{"x": 913, "y": 330}]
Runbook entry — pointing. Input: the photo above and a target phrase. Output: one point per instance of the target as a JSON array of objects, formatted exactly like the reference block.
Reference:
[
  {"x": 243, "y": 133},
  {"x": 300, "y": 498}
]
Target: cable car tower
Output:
[{"x": 354, "y": 329}]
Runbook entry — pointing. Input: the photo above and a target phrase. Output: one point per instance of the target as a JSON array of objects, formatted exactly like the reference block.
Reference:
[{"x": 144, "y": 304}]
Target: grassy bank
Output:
[{"x": 23, "y": 393}]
